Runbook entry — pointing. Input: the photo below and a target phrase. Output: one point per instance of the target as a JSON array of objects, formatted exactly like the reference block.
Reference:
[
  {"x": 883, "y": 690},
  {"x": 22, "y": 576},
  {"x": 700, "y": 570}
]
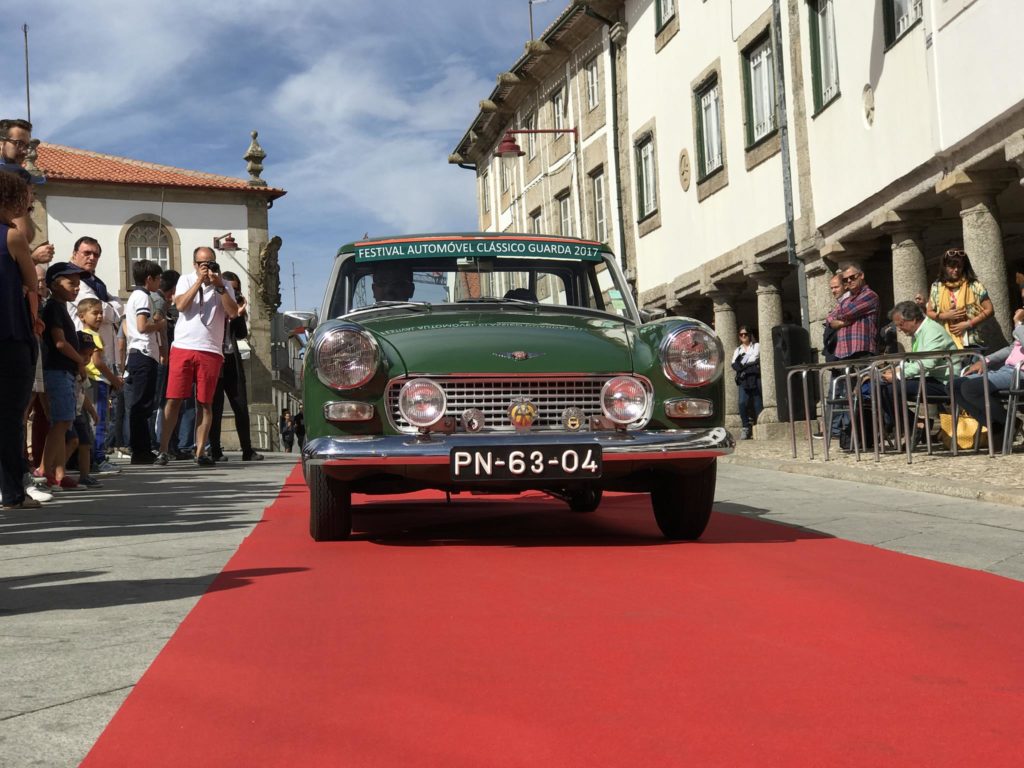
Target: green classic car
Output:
[{"x": 503, "y": 363}]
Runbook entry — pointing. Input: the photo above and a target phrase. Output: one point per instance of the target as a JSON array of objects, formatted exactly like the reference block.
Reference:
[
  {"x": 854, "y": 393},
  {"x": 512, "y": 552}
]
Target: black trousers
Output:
[
  {"x": 17, "y": 372},
  {"x": 232, "y": 385},
  {"x": 140, "y": 392}
]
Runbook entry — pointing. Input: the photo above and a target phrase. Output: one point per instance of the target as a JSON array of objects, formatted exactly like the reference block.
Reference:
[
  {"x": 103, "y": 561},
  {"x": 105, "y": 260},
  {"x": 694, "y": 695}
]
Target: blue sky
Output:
[{"x": 357, "y": 103}]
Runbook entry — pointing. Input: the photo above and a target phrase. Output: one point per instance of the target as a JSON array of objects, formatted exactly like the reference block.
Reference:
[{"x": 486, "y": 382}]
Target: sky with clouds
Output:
[{"x": 357, "y": 103}]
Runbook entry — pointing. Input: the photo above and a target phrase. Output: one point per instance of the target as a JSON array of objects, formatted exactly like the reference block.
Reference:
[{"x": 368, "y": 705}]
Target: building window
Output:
[
  {"x": 759, "y": 76},
  {"x": 564, "y": 216},
  {"x": 646, "y": 180},
  {"x": 558, "y": 109},
  {"x": 709, "y": 133},
  {"x": 485, "y": 190},
  {"x": 148, "y": 240},
  {"x": 504, "y": 174},
  {"x": 824, "y": 63},
  {"x": 530, "y": 124},
  {"x": 536, "y": 228},
  {"x": 600, "y": 220},
  {"x": 593, "y": 84},
  {"x": 666, "y": 10},
  {"x": 898, "y": 16}
]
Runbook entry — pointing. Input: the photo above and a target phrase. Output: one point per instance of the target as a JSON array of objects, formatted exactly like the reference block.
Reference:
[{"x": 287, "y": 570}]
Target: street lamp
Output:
[{"x": 509, "y": 148}]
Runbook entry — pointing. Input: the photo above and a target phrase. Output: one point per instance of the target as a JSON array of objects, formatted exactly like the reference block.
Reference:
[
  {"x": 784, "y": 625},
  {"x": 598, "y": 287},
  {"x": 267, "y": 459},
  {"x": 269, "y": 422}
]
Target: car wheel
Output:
[
  {"x": 586, "y": 500},
  {"x": 682, "y": 504},
  {"x": 330, "y": 506}
]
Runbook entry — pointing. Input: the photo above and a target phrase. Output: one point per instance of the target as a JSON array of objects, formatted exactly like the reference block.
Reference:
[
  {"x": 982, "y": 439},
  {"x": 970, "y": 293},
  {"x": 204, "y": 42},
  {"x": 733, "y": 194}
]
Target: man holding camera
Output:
[{"x": 204, "y": 303}]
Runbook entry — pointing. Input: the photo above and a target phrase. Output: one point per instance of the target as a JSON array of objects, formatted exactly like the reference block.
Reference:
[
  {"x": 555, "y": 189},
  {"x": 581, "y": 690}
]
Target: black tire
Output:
[
  {"x": 682, "y": 503},
  {"x": 586, "y": 500},
  {"x": 330, "y": 506}
]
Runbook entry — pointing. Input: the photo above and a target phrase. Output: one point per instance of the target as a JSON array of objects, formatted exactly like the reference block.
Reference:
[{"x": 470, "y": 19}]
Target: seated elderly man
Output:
[
  {"x": 970, "y": 389},
  {"x": 392, "y": 281},
  {"x": 926, "y": 336}
]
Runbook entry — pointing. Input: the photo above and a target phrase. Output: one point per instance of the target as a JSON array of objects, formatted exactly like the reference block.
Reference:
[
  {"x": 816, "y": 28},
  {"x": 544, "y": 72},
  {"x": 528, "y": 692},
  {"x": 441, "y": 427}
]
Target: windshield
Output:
[{"x": 592, "y": 285}]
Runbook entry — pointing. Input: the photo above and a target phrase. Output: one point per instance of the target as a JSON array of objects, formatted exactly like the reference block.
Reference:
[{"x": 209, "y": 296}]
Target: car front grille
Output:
[{"x": 494, "y": 397}]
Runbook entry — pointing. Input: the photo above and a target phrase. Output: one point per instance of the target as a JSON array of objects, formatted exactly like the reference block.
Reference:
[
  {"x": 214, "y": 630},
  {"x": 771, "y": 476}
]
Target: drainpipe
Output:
[
  {"x": 620, "y": 215},
  {"x": 787, "y": 178}
]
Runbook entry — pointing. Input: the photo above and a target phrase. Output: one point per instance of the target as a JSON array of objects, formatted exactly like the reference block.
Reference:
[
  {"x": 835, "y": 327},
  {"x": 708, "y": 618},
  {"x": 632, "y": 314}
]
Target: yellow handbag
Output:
[{"x": 966, "y": 430}]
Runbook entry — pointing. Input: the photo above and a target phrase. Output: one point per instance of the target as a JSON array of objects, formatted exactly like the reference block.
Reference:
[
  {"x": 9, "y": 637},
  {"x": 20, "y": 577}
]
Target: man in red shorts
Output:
[{"x": 204, "y": 302}]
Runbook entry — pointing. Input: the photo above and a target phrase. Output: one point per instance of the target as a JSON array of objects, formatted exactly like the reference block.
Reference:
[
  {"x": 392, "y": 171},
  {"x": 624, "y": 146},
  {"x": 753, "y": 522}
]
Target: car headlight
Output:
[
  {"x": 690, "y": 356},
  {"x": 422, "y": 402},
  {"x": 346, "y": 358},
  {"x": 624, "y": 400}
]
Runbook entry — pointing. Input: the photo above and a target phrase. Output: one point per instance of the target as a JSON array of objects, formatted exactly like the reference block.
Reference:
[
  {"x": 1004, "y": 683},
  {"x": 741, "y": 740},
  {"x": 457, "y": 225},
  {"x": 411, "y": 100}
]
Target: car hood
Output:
[{"x": 515, "y": 342}]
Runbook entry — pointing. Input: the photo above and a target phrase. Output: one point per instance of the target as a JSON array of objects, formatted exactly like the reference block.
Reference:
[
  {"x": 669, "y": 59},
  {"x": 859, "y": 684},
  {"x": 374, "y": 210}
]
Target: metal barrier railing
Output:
[{"x": 854, "y": 373}]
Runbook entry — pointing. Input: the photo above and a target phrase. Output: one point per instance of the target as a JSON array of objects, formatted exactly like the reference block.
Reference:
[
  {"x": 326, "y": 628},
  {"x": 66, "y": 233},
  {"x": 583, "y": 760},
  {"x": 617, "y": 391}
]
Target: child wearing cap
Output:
[
  {"x": 80, "y": 437},
  {"x": 62, "y": 364}
]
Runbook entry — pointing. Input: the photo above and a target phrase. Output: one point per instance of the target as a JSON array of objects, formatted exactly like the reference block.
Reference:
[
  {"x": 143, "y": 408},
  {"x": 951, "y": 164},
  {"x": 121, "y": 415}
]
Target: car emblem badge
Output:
[
  {"x": 472, "y": 419},
  {"x": 522, "y": 413},
  {"x": 518, "y": 355},
  {"x": 573, "y": 419}
]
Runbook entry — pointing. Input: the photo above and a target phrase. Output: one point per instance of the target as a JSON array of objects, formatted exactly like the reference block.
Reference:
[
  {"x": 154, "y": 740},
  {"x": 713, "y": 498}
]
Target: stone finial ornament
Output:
[
  {"x": 270, "y": 276},
  {"x": 30, "y": 159},
  {"x": 254, "y": 156}
]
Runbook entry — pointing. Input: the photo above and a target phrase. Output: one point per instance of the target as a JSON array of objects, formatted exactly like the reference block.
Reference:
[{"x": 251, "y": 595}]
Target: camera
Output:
[{"x": 213, "y": 266}]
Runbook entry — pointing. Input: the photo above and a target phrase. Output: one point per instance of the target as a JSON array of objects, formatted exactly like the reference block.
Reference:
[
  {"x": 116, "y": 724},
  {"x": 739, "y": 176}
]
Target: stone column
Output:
[
  {"x": 769, "y": 315},
  {"x": 909, "y": 275},
  {"x": 724, "y": 303},
  {"x": 819, "y": 298},
  {"x": 983, "y": 239}
]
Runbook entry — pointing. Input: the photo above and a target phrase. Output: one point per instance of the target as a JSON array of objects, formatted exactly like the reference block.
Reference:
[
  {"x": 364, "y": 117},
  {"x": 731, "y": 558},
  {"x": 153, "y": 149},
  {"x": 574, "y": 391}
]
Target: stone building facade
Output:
[
  {"x": 897, "y": 138},
  {"x": 145, "y": 210}
]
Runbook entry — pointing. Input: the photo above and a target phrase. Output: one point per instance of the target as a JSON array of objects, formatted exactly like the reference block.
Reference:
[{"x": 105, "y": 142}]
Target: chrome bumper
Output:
[{"x": 398, "y": 450}]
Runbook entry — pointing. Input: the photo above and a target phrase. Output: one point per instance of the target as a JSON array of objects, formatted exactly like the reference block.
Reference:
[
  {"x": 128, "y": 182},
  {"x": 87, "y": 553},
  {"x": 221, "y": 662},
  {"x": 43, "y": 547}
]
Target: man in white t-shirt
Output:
[
  {"x": 142, "y": 331},
  {"x": 204, "y": 302}
]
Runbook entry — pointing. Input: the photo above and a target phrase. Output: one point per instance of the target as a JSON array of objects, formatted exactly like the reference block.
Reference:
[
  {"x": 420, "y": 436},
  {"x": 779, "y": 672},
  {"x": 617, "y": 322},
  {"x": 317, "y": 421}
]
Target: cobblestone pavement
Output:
[{"x": 969, "y": 475}]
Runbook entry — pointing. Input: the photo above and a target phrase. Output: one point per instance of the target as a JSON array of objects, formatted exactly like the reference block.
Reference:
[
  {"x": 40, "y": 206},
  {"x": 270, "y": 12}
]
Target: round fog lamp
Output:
[
  {"x": 623, "y": 400},
  {"x": 422, "y": 402}
]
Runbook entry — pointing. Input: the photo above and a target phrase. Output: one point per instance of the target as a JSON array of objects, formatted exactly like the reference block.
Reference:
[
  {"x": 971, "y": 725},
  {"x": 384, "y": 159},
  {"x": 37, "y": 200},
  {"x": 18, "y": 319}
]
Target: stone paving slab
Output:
[{"x": 969, "y": 475}]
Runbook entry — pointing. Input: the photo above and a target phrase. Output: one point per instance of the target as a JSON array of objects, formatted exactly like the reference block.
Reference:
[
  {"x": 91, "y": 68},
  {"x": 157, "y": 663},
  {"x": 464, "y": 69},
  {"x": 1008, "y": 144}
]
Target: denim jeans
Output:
[
  {"x": 99, "y": 394},
  {"x": 750, "y": 400}
]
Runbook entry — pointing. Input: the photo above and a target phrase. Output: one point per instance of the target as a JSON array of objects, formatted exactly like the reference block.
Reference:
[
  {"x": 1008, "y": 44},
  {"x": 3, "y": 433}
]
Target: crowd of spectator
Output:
[
  {"x": 947, "y": 322},
  {"x": 86, "y": 378}
]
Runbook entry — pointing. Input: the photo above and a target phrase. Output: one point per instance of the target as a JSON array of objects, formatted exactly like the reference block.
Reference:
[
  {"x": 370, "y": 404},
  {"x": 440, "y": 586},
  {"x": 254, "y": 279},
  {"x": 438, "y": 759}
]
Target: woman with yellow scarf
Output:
[{"x": 959, "y": 301}]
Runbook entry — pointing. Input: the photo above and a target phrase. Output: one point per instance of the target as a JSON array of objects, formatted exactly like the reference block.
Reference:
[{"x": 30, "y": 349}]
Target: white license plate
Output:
[{"x": 548, "y": 462}]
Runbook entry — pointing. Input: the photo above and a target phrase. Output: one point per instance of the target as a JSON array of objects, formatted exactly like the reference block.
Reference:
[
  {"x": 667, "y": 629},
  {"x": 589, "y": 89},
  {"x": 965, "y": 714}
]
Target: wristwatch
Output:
[{"x": 220, "y": 290}]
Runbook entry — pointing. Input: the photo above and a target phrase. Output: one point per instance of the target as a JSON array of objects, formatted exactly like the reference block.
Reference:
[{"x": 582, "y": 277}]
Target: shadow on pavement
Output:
[{"x": 39, "y": 593}]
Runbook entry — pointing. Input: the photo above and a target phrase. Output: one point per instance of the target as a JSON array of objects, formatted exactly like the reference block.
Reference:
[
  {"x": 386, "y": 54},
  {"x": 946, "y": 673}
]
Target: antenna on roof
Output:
[
  {"x": 28, "y": 94},
  {"x": 533, "y": 3}
]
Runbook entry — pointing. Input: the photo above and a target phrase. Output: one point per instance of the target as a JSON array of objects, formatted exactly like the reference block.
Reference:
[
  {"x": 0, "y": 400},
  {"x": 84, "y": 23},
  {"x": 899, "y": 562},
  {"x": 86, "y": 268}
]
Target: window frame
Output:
[
  {"x": 820, "y": 89},
  {"x": 890, "y": 22},
  {"x": 504, "y": 174},
  {"x": 558, "y": 110},
  {"x": 704, "y": 170},
  {"x": 750, "y": 83},
  {"x": 564, "y": 201},
  {"x": 593, "y": 74},
  {"x": 164, "y": 234},
  {"x": 663, "y": 18},
  {"x": 646, "y": 183},
  {"x": 485, "y": 184},
  {"x": 530, "y": 124},
  {"x": 598, "y": 189},
  {"x": 536, "y": 221}
]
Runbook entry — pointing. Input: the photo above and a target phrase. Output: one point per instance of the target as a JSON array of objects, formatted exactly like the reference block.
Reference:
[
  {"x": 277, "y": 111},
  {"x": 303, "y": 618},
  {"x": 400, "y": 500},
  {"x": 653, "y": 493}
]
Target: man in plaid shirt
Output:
[{"x": 855, "y": 317}]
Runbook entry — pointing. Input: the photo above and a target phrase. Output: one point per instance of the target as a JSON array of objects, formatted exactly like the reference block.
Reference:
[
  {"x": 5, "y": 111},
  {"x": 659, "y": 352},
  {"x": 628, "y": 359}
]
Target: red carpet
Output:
[{"x": 513, "y": 633}]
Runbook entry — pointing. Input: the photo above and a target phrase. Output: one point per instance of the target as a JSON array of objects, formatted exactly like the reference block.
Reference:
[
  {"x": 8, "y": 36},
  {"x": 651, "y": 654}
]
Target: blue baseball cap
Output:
[{"x": 62, "y": 268}]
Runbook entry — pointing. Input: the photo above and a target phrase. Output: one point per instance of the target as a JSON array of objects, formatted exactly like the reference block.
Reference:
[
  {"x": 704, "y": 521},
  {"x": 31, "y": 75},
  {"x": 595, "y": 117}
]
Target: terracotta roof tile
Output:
[{"x": 78, "y": 165}]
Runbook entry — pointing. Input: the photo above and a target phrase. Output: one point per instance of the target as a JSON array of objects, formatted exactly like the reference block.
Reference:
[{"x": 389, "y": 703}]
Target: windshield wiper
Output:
[
  {"x": 496, "y": 300},
  {"x": 422, "y": 306}
]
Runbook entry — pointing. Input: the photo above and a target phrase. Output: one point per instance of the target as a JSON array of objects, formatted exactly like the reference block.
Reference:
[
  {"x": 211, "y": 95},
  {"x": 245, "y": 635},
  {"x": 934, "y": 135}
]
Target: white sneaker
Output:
[
  {"x": 34, "y": 492},
  {"x": 106, "y": 468}
]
